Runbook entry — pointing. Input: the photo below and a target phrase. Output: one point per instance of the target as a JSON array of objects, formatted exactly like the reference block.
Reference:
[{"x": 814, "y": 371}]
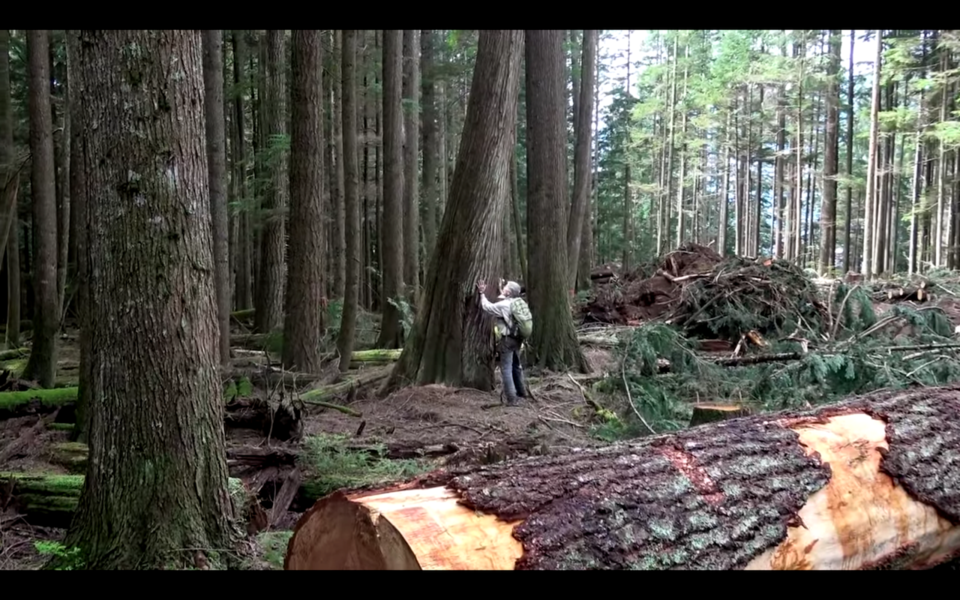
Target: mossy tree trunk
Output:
[
  {"x": 157, "y": 476},
  {"x": 270, "y": 276},
  {"x": 42, "y": 365},
  {"x": 554, "y": 342},
  {"x": 301, "y": 334},
  {"x": 451, "y": 341},
  {"x": 351, "y": 199}
]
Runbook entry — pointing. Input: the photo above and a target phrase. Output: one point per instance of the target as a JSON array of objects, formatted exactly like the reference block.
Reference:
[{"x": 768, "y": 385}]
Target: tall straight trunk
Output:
[
  {"x": 348, "y": 86},
  {"x": 847, "y": 247},
  {"x": 627, "y": 195},
  {"x": 870, "y": 198},
  {"x": 9, "y": 172},
  {"x": 724, "y": 218},
  {"x": 156, "y": 480},
  {"x": 738, "y": 186},
  {"x": 411, "y": 162},
  {"x": 554, "y": 344},
  {"x": 270, "y": 284},
  {"x": 939, "y": 238},
  {"x": 745, "y": 212},
  {"x": 338, "y": 220},
  {"x": 515, "y": 210},
  {"x": 443, "y": 176},
  {"x": 450, "y": 343},
  {"x": 800, "y": 51},
  {"x": 662, "y": 235},
  {"x": 587, "y": 249},
  {"x": 42, "y": 365},
  {"x": 758, "y": 212},
  {"x": 392, "y": 225},
  {"x": 304, "y": 293},
  {"x": 781, "y": 235},
  {"x": 63, "y": 204},
  {"x": 217, "y": 168},
  {"x": 681, "y": 177},
  {"x": 243, "y": 294},
  {"x": 431, "y": 159},
  {"x": 369, "y": 197},
  {"x": 581, "y": 161},
  {"x": 831, "y": 167},
  {"x": 917, "y": 181}
]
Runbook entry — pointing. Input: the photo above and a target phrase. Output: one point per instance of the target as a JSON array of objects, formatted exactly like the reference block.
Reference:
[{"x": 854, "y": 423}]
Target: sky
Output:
[{"x": 863, "y": 56}]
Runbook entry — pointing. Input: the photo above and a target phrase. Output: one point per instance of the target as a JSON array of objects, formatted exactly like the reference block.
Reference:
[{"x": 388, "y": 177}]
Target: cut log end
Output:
[
  {"x": 711, "y": 413},
  {"x": 400, "y": 530}
]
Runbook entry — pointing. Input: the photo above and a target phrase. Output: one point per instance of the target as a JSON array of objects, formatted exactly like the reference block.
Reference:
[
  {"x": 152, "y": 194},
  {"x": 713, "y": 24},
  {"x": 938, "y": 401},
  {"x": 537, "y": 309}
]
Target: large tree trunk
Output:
[
  {"x": 351, "y": 288},
  {"x": 828, "y": 211},
  {"x": 304, "y": 295},
  {"x": 847, "y": 226},
  {"x": 270, "y": 281},
  {"x": 581, "y": 161},
  {"x": 9, "y": 186},
  {"x": 338, "y": 244},
  {"x": 554, "y": 342},
  {"x": 391, "y": 252},
  {"x": 431, "y": 187},
  {"x": 870, "y": 218},
  {"x": 411, "y": 162},
  {"x": 79, "y": 199},
  {"x": 451, "y": 342},
  {"x": 62, "y": 164},
  {"x": 157, "y": 476},
  {"x": 42, "y": 365},
  {"x": 244, "y": 285},
  {"x": 858, "y": 485},
  {"x": 217, "y": 167}
]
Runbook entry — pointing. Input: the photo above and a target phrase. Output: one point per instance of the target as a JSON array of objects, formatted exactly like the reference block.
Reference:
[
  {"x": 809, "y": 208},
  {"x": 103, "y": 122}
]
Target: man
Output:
[{"x": 509, "y": 341}]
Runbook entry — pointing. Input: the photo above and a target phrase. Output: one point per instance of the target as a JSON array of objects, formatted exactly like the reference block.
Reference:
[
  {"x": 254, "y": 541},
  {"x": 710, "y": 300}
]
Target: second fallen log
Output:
[{"x": 870, "y": 483}]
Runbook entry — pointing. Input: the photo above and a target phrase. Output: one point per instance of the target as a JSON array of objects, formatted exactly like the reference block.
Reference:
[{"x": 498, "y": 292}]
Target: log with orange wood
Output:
[{"x": 871, "y": 483}]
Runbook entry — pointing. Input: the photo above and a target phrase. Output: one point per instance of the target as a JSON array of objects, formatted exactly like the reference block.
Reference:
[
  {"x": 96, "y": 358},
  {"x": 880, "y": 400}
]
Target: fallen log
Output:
[
  {"x": 711, "y": 413},
  {"x": 50, "y": 500},
  {"x": 14, "y": 353},
  {"x": 282, "y": 421},
  {"x": 70, "y": 455},
  {"x": 18, "y": 404},
  {"x": 870, "y": 483},
  {"x": 321, "y": 395}
]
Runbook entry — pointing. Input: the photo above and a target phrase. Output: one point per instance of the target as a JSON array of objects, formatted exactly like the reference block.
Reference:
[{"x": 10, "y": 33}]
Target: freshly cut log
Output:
[
  {"x": 870, "y": 483},
  {"x": 711, "y": 413}
]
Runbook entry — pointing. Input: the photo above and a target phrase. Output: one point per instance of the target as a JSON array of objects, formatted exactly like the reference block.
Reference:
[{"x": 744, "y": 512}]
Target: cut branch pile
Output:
[
  {"x": 709, "y": 297},
  {"x": 754, "y": 493}
]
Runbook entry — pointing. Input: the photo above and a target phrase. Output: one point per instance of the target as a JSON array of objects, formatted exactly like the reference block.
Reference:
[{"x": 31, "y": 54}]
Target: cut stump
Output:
[
  {"x": 870, "y": 483},
  {"x": 711, "y": 413}
]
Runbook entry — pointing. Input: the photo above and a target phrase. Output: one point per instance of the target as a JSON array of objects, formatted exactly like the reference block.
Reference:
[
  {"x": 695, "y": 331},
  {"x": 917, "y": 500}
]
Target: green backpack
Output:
[{"x": 522, "y": 319}]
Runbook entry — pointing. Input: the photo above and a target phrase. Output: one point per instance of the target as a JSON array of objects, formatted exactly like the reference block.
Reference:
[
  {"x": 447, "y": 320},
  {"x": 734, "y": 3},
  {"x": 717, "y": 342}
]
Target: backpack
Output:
[{"x": 522, "y": 319}]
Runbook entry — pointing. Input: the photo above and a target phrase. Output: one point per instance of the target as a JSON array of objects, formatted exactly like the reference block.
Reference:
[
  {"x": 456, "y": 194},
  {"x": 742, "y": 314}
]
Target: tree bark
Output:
[
  {"x": 62, "y": 163},
  {"x": 337, "y": 193},
  {"x": 869, "y": 228},
  {"x": 244, "y": 285},
  {"x": 411, "y": 163},
  {"x": 270, "y": 281},
  {"x": 847, "y": 246},
  {"x": 351, "y": 288},
  {"x": 79, "y": 199},
  {"x": 9, "y": 184},
  {"x": 831, "y": 488},
  {"x": 304, "y": 290},
  {"x": 828, "y": 211},
  {"x": 554, "y": 343},
  {"x": 581, "y": 161},
  {"x": 217, "y": 168},
  {"x": 42, "y": 365},
  {"x": 157, "y": 479},
  {"x": 391, "y": 331},
  {"x": 451, "y": 343},
  {"x": 431, "y": 165}
]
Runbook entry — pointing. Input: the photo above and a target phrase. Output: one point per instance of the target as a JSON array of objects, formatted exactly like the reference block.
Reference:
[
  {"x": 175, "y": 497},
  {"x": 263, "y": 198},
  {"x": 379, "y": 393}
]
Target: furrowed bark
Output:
[
  {"x": 863, "y": 484},
  {"x": 450, "y": 342}
]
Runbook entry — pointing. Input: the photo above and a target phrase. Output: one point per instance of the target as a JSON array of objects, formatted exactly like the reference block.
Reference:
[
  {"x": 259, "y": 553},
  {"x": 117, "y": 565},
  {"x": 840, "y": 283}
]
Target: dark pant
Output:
[{"x": 511, "y": 370}]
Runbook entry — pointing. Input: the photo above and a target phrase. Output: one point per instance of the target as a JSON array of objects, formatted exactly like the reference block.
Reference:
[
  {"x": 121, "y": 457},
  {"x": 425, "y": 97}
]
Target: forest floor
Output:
[{"x": 656, "y": 339}]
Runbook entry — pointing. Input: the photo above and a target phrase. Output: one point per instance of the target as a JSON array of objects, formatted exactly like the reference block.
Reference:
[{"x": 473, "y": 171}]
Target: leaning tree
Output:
[{"x": 451, "y": 342}]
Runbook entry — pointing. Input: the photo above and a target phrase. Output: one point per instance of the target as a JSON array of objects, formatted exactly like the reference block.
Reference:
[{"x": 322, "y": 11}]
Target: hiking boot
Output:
[{"x": 512, "y": 402}]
